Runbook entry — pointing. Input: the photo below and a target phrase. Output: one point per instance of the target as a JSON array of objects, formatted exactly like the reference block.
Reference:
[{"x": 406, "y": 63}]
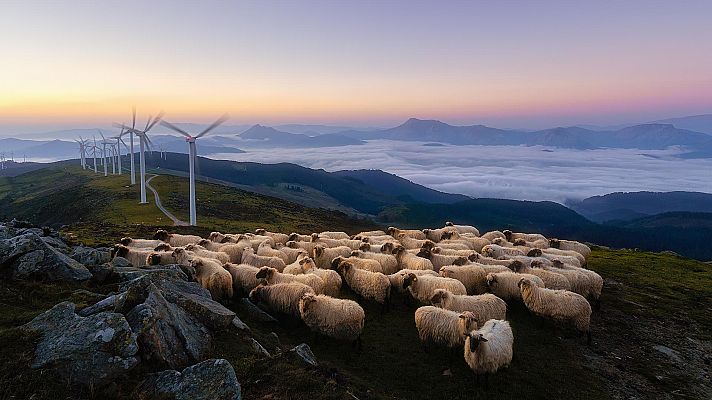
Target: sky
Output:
[{"x": 512, "y": 64}]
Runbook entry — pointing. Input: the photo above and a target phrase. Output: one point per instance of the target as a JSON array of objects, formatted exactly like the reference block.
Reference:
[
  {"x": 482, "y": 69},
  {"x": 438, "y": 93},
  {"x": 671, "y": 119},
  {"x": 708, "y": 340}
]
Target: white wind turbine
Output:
[
  {"x": 119, "y": 142},
  {"x": 82, "y": 151},
  {"x": 104, "y": 153},
  {"x": 144, "y": 143},
  {"x": 94, "y": 152},
  {"x": 191, "y": 159}
]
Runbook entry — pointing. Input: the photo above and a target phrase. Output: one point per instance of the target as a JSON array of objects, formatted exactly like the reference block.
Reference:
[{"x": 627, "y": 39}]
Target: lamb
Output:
[
  {"x": 552, "y": 280},
  {"x": 571, "y": 245},
  {"x": 201, "y": 251},
  {"x": 272, "y": 276},
  {"x": 529, "y": 237},
  {"x": 323, "y": 256},
  {"x": 472, "y": 276},
  {"x": 440, "y": 260},
  {"x": 411, "y": 233},
  {"x": 493, "y": 234},
  {"x": 443, "y": 326},
  {"x": 485, "y": 306},
  {"x": 558, "y": 305},
  {"x": 422, "y": 287},
  {"x": 489, "y": 348},
  {"x": 369, "y": 285},
  {"x": 504, "y": 284},
  {"x": 360, "y": 263},
  {"x": 334, "y": 235},
  {"x": 276, "y": 237},
  {"x": 244, "y": 278},
  {"x": 499, "y": 252},
  {"x": 141, "y": 243},
  {"x": 281, "y": 297},
  {"x": 136, "y": 256},
  {"x": 411, "y": 261},
  {"x": 464, "y": 228},
  {"x": 210, "y": 274},
  {"x": 292, "y": 254},
  {"x": 389, "y": 264},
  {"x": 175, "y": 239},
  {"x": 249, "y": 257},
  {"x": 331, "y": 278},
  {"x": 233, "y": 250},
  {"x": 397, "y": 278},
  {"x": 265, "y": 249},
  {"x": 580, "y": 282},
  {"x": 336, "y": 318}
]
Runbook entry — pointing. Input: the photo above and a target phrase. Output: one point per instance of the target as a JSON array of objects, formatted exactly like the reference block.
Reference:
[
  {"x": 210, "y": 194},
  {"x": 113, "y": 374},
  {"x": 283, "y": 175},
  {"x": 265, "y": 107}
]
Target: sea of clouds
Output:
[{"x": 513, "y": 172}]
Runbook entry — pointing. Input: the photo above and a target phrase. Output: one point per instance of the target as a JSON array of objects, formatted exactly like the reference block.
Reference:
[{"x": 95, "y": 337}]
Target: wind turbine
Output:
[
  {"x": 191, "y": 159},
  {"x": 144, "y": 142},
  {"x": 94, "y": 148},
  {"x": 82, "y": 151},
  {"x": 119, "y": 142},
  {"x": 104, "y": 161}
]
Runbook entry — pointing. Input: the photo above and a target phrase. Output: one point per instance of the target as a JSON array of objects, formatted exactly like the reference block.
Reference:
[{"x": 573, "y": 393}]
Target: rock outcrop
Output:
[
  {"x": 209, "y": 380},
  {"x": 27, "y": 256}
]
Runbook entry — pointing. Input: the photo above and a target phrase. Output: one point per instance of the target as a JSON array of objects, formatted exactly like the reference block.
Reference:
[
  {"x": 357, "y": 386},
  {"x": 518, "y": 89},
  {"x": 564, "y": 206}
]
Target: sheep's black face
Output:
[
  {"x": 460, "y": 261},
  {"x": 335, "y": 263},
  {"x": 475, "y": 341},
  {"x": 255, "y": 295},
  {"x": 516, "y": 266},
  {"x": 161, "y": 235},
  {"x": 122, "y": 251},
  {"x": 154, "y": 259},
  {"x": 436, "y": 299},
  {"x": 262, "y": 273},
  {"x": 318, "y": 251},
  {"x": 425, "y": 253},
  {"x": 507, "y": 234},
  {"x": 408, "y": 280},
  {"x": 125, "y": 241},
  {"x": 555, "y": 243},
  {"x": 534, "y": 253},
  {"x": 473, "y": 257},
  {"x": 391, "y": 230}
]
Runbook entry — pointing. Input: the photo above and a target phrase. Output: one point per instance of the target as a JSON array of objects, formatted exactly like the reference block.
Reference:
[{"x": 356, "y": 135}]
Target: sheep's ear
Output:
[{"x": 482, "y": 339}]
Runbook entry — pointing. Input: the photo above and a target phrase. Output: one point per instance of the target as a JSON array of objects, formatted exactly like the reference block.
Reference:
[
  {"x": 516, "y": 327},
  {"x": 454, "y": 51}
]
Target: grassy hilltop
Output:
[{"x": 651, "y": 338}]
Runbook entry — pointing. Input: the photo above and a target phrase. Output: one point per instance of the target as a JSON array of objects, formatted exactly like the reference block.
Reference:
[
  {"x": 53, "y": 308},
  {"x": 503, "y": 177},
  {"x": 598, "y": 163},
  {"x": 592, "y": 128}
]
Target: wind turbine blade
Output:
[
  {"x": 155, "y": 121},
  {"x": 102, "y": 135},
  {"x": 148, "y": 122},
  {"x": 215, "y": 124},
  {"x": 175, "y": 128},
  {"x": 133, "y": 124}
]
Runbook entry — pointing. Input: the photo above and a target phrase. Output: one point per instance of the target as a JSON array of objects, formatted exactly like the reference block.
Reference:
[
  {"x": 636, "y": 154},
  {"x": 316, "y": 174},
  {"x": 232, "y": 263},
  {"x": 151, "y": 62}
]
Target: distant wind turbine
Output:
[
  {"x": 144, "y": 143},
  {"x": 82, "y": 151},
  {"x": 104, "y": 153},
  {"x": 94, "y": 148},
  {"x": 191, "y": 159},
  {"x": 119, "y": 142}
]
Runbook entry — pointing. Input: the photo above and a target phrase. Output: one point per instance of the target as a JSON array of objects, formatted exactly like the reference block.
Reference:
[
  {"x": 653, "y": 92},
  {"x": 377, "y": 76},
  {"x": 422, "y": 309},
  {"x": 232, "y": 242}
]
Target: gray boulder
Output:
[
  {"x": 27, "y": 256},
  {"x": 166, "y": 333},
  {"x": 92, "y": 351},
  {"x": 253, "y": 312},
  {"x": 304, "y": 352},
  {"x": 120, "y": 262},
  {"x": 212, "y": 379},
  {"x": 90, "y": 256},
  {"x": 57, "y": 244}
]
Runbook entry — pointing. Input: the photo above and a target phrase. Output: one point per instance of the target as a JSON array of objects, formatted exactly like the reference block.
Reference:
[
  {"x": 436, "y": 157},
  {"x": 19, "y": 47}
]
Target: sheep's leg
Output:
[
  {"x": 487, "y": 382},
  {"x": 588, "y": 337}
]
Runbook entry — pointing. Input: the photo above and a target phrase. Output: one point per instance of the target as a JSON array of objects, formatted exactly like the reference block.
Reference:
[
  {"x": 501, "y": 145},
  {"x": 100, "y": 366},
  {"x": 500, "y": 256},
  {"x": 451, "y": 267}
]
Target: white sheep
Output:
[
  {"x": 397, "y": 278},
  {"x": 484, "y": 306},
  {"x": 443, "y": 326},
  {"x": 136, "y": 256},
  {"x": 441, "y": 260},
  {"x": 566, "y": 253},
  {"x": 281, "y": 297},
  {"x": 464, "y": 228},
  {"x": 334, "y": 235},
  {"x": 323, "y": 256},
  {"x": 492, "y": 234},
  {"x": 422, "y": 287},
  {"x": 244, "y": 278},
  {"x": 336, "y": 318},
  {"x": 327, "y": 242},
  {"x": 410, "y": 261},
  {"x": 249, "y": 257},
  {"x": 175, "y": 239},
  {"x": 360, "y": 263},
  {"x": 292, "y": 254},
  {"x": 571, "y": 245},
  {"x": 272, "y": 276},
  {"x": 411, "y": 233},
  {"x": 372, "y": 233},
  {"x": 489, "y": 348},
  {"x": 141, "y": 243},
  {"x": 331, "y": 278},
  {"x": 529, "y": 237},
  {"x": 369, "y": 285},
  {"x": 306, "y": 246},
  {"x": 505, "y": 284},
  {"x": 277, "y": 237},
  {"x": 233, "y": 250},
  {"x": 211, "y": 275},
  {"x": 436, "y": 234},
  {"x": 201, "y": 251},
  {"x": 557, "y": 305},
  {"x": 161, "y": 258},
  {"x": 472, "y": 276},
  {"x": 295, "y": 268},
  {"x": 594, "y": 281},
  {"x": 389, "y": 264},
  {"x": 265, "y": 249},
  {"x": 500, "y": 252},
  {"x": 552, "y": 280},
  {"x": 410, "y": 243}
]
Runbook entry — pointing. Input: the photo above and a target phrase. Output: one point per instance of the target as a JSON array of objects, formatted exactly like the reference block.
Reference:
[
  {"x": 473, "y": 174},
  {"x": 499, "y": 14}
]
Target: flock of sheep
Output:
[{"x": 466, "y": 279}]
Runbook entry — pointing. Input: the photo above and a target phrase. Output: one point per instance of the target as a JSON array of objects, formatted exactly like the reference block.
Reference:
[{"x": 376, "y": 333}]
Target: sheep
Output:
[
  {"x": 323, "y": 256},
  {"x": 249, "y": 257},
  {"x": 360, "y": 263},
  {"x": 244, "y": 277},
  {"x": 161, "y": 258},
  {"x": 327, "y": 242},
  {"x": 175, "y": 239},
  {"x": 489, "y": 348},
  {"x": 570, "y": 245},
  {"x": 594, "y": 282},
  {"x": 211, "y": 275},
  {"x": 276, "y": 237},
  {"x": 440, "y": 260},
  {"x": 537, "y": 244},
  {"x": 219, "y": 237},
  {"x": 292, "y": 254},
  {"x": 552, "y": 280},
  {"x": 484, "y": 306},
  {"x": 136, "y": 256},
  {"x": 201, "y": 251},
  {"x": 493, "y": 234},
  {"x": 295, "y": 268},
  {"x": 580, "y": 282},
  {"x": 422, "y": 287},
  {"x": 374, "y": 239},
  {"x": 369, "y": 285},
  {"x": 336, "y": 318},
  {"x": 255, "y": 240},
  {"x": 306, "y": 246},
  {"x": 411, "y": 233},
  {"x": 410, "y": 261},
  {"x": 472, "y": 242},
  {"x": 281, "y": 297},
  {"x": 389, "y": 264},
  {"x": 141, "y": 243},
  {"x": 492, "y": 265},
  {"x": 436, "y": 234},
  {"x": 558, "y": 305},
  {"x": 233, "y": 250},
  {"x": 331, "y": 278},
  {"x": 265, "y": 249},
  {"x": 296, "y": 237},
  {"x": 272, "y": 276},
  {"x": 504, "y": 284},
  {"x": 472, "y": 276},
  {"x": 452, "y": 252},
  {"x": 496, "y": 251},
  {"x": 372, "y": 233},
  {"x": 568, "y": 260},
  {"x": 464, "y": 228},
  {"x": 529, "y": 237},
  {"x": 409, "y": 242},
  {"x": 565, "y": 253},
  {"x": 443, "y": 326},
  {"x": 397, "y": 278},
  {"x": 334, "y": 235}
]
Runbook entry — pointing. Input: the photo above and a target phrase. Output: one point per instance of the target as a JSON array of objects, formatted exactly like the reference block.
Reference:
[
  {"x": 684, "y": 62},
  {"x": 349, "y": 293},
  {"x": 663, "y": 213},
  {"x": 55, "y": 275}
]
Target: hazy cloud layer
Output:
[{"x": 529, "y": 173}]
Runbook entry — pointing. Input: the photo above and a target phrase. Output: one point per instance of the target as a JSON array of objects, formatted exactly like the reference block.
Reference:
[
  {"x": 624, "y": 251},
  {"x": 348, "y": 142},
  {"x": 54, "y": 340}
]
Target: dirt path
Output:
[{"x": 168, "y": 214}]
